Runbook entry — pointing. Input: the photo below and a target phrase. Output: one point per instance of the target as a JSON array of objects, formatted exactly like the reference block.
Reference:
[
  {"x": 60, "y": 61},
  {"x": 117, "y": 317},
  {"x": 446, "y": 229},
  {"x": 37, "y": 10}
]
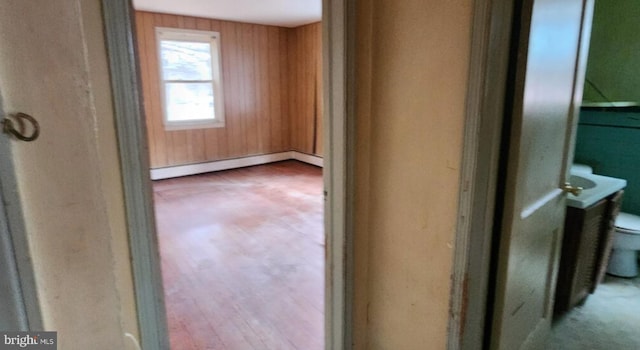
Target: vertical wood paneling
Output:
[
  {"x": 305, "y": 77},
  {"x": 275, "y": 132},
  {"x": 231, "y": 90},
  {"x": 271, "y": 85},
  {"x": 284, "y": 81},
  {"x": 250, "y": 135},
  {"x": 259, "y": 41},
  {"x": 319, "y": 102},
  {"x": 151, "y": 88}
]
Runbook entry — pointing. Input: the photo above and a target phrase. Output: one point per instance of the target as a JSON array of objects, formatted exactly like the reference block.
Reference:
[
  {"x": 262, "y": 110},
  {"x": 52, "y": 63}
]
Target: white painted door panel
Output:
[{"x": 540, "y": 141}]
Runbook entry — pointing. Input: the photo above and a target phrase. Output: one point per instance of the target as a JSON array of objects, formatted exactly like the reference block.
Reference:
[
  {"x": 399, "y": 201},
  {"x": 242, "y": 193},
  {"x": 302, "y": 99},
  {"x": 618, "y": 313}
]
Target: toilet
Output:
[
  {"x": 581, "y": 168},
  {"x": 626, "y": 244}
]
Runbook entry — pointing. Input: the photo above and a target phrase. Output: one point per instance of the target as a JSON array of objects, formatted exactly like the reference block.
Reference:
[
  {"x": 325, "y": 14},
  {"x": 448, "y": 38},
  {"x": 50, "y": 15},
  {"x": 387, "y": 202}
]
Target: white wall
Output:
[
  {"x": 413, "y": 58},
  {"x": 53, "y": 66}
]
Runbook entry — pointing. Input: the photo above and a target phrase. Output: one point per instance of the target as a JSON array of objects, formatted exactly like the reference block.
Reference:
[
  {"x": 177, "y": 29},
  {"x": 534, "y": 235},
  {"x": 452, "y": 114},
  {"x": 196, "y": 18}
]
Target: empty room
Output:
[{"x": 232, "y": 97}]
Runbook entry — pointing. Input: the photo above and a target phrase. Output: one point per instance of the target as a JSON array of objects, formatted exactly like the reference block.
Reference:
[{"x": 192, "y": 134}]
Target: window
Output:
[{"x": 190, "y": 78}]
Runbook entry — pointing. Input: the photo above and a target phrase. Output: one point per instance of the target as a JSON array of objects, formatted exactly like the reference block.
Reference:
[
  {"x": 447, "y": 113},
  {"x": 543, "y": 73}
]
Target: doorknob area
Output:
[
  {"x": 8, "y": 126},
  {"x": 574, "y": 190}
]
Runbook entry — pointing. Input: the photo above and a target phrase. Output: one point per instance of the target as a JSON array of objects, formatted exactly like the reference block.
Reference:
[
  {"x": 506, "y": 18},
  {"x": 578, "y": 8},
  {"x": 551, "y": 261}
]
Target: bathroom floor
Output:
[{"x": 609, "y": 319}]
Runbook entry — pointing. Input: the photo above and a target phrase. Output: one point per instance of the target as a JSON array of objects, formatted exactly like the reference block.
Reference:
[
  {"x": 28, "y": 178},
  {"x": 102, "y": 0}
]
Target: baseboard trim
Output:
[
  {"x": 199, "y": 168},
  {"x": 307, "y": 158}
]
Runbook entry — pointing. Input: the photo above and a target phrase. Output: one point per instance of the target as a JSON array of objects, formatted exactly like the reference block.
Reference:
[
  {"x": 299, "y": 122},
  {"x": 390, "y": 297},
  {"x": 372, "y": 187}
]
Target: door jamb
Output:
[
  {"x": 338, "y": 40},
  {"x": 119, "y": 25},
  {"x": 338, "y": 74},
  {"x": 490, "y": 51}
]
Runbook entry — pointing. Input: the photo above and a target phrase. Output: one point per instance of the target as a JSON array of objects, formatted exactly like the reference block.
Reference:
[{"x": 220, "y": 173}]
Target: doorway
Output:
[
  {"x": 242, "y": 250},
  {"x": 475, "y": 246},
  {"x": 337, "y": 165}
]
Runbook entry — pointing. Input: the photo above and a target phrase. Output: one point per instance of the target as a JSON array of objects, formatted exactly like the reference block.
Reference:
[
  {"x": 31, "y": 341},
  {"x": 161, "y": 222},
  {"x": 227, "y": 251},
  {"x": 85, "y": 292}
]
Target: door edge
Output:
[{"x": 134, "y": 160}]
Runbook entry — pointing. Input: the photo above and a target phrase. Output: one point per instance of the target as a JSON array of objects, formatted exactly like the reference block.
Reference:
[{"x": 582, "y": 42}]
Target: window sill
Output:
[{"x": 193, "y": 125}]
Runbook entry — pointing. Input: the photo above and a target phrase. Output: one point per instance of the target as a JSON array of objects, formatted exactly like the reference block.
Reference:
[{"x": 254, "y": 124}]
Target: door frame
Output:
[
  {"x": 485, "y": 104},
  {"x": 131, "y": 132},
  {"x": 338, "y": 73},
  {"x": 338, "y": 83}
]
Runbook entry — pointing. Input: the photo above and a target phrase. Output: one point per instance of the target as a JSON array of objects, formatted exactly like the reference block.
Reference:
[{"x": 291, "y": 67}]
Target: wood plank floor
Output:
[{"x": 242, "y": 256}]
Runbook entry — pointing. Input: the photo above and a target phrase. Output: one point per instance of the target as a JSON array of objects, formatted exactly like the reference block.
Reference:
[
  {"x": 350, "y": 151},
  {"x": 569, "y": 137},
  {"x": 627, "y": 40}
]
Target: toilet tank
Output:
[{"x": 581, "y": 168}]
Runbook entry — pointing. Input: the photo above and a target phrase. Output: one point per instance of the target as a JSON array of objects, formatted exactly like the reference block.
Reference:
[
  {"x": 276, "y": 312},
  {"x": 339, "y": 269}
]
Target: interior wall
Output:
[
  {"x": 608, "y": 141},
  {"x": 412, "y": 73},
  {"x": 53, "y": 65},
  {"x": 615, "y": 52},
  {"x": 305, "y": 88},
  {"x": 109, "y": 161},
  {"x": 270, "y": 92},
  {"x": 254, "y": 67}
]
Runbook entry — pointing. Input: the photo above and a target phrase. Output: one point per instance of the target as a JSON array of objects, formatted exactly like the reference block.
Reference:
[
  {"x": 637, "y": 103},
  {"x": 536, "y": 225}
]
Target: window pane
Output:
[
  {"x": 189, "y": 101},
  {"x": 185, "y": 60}
]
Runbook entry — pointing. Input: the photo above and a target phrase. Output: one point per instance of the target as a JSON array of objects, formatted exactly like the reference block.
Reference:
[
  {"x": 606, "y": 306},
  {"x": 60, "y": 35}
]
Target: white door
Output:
[{"x": 548, "y": 67}]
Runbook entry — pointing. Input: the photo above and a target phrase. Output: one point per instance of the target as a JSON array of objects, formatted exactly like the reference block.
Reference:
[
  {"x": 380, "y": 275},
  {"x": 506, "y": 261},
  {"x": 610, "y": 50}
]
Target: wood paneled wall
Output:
[
  {"x": 305, "y": 81},
  {"x": 255, "y": 88},
  {"x": 265, "y": 74}
]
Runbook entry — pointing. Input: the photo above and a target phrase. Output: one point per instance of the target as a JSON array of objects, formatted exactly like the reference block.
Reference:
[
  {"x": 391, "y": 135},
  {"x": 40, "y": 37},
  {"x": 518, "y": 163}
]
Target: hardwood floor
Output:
[{"x": 242, "y": 256}]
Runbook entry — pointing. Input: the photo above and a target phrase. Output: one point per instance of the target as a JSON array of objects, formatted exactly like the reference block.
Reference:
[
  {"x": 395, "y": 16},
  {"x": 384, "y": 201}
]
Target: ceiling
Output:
[{"x": 284, "y": 13}]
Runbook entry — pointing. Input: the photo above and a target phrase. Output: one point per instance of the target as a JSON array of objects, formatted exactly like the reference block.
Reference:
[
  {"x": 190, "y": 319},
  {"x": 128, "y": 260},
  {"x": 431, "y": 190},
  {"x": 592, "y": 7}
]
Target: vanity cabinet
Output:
[{"x": 586, "y": 246}]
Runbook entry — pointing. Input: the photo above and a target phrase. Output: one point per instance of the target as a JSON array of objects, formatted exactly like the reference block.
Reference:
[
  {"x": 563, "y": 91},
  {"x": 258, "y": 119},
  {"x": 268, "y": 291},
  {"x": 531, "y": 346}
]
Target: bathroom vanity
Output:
[{"x": 588, "y": 236}]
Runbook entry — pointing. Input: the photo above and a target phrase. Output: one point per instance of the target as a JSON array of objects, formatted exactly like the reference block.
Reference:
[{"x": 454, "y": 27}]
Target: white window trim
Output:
[{"x": 213, "y": 38}]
